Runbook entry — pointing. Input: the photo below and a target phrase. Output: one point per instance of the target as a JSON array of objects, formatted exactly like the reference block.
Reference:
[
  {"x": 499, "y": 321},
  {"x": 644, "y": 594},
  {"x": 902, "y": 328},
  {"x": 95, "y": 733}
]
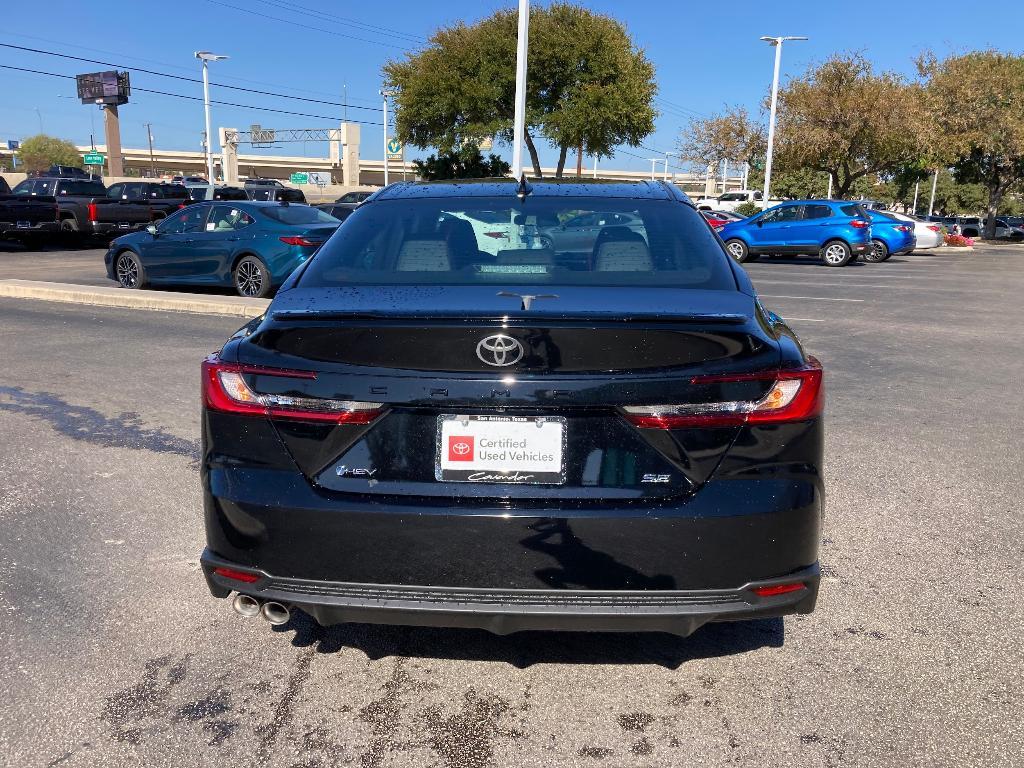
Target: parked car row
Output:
[{"x": 838, "y": 231}]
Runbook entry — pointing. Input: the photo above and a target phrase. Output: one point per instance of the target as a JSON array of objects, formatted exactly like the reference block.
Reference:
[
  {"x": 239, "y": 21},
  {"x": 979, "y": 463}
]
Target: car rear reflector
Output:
[
  {"x": 225, "y": 389},
  {"x": 795, "y": 394},
  {"x": 858, "y": 223},
  {"x": 778, "y": 589},
  {"x": 299, "y": 240},
  {"x": 231, "y": 573}
]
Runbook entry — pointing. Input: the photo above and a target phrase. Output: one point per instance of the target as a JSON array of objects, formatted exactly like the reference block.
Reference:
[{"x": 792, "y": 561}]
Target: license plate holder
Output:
[{"x": 522, "y": 450}]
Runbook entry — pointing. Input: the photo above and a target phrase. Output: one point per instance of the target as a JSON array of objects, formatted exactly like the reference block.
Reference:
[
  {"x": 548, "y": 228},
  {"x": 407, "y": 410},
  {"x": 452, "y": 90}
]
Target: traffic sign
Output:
[
  {"x": 394, "y": 149},
  {"x": 93, "y": 158},
  {"x": 319, "y": 178},
  {"x": 299, "y": 178},
  {"x": 13, "y": 145}
]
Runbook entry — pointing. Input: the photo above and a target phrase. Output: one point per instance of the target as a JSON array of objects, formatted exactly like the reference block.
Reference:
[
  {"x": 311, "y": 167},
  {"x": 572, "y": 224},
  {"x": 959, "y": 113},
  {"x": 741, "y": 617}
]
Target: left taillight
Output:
[
  {"x": 303, "y": 241},
  {"x": 226, "y": 390},
  {"x": 794, "y": 395}
]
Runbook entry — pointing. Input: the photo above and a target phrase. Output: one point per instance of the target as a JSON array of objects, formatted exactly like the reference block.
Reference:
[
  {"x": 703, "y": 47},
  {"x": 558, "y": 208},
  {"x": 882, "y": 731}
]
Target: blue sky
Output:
[{"x": 707, "y": 55}]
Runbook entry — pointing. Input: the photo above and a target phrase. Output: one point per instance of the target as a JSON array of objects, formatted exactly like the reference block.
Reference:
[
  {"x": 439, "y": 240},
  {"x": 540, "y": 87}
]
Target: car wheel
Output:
[
  {"x": 69, "y": 230},
  {"x": 879, "y": 251},
  {"x": 252, "y": 278},
  {"x": 836, "y": 254},
  {"x": 738, "y": 250},
  {"x": 129, "y": 270}
]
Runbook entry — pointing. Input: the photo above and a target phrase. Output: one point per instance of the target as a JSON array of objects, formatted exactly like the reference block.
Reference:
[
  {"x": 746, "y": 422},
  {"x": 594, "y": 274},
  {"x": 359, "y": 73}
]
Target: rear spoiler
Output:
[{"x": 293, "y": 315}]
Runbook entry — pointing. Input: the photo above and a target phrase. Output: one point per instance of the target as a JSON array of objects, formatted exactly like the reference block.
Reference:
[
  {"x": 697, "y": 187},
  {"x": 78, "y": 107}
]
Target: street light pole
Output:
[
  {"x": 777, "y": 42},
  {"x": 206, "y": 57},
  {"x": 931, "y": 203},
  {"x": 519, "y": 122},
  {"x": 152, "y": 162},
  {"x": 654, "y": 162},
  {"x": 385, "y": 94}
]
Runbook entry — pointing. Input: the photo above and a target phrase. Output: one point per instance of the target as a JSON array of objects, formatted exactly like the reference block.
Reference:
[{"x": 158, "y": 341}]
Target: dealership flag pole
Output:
[{"x": 519, "y": 124}]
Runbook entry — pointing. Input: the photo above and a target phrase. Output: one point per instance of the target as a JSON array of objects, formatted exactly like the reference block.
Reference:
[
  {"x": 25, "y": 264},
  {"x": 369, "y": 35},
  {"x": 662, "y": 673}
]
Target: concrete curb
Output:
[{"x": 161, "y": 301}]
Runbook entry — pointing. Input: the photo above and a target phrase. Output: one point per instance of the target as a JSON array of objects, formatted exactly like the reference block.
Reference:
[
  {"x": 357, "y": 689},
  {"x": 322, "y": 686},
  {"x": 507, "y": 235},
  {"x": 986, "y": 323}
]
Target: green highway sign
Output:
[
  {"x": 93, "y": 158},
  {"x": 299, "y": 178}
]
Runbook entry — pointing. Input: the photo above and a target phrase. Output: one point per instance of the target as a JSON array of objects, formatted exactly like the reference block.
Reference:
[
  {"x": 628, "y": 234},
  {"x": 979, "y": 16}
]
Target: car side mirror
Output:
[
  {"x": 153, "y": 230},
  {"x": 759, "y": 223}
]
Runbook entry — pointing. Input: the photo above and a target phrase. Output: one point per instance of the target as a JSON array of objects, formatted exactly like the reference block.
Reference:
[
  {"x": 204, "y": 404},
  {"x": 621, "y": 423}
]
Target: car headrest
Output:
[{"x": 623, "y": 256}]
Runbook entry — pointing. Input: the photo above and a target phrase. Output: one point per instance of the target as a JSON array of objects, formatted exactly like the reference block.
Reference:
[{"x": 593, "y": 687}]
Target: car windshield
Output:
[
  {"x": 298, "y": 214},
  {"x": 541, "y": 241}
]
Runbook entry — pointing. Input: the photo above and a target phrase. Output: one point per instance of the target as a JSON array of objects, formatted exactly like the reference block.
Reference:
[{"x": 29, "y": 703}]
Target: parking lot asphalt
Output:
[{"x": 115, "y": 654}]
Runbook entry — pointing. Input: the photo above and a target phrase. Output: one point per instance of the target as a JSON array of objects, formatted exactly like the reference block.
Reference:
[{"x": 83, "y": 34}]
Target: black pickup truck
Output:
[
  {"x": 89, "y": 208},
  {"x": 26, "y": 220}
]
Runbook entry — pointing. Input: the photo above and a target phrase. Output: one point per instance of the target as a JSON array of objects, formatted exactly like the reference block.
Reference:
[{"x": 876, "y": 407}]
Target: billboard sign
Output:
[{"x": 111, "y": 87}]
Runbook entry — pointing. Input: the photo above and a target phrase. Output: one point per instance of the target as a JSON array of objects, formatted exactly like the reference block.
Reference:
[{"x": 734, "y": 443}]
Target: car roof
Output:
[{"x": 639, "y": 190}]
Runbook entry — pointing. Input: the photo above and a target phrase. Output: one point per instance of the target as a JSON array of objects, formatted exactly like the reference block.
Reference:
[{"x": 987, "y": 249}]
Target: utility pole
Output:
[
  {"x": 519, "y": 122},
  {"x": 149, "y": 135},
  {"x": 385, "y": 95},
  {"x": 206, "y": 57},
  {"x": 777, "y": 42},
  {"x": 917, "y": 187}
]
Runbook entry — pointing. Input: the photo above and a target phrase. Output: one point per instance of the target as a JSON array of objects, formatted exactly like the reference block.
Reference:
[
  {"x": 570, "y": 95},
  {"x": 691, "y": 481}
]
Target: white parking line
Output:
[{"x": 811, "y": 298}]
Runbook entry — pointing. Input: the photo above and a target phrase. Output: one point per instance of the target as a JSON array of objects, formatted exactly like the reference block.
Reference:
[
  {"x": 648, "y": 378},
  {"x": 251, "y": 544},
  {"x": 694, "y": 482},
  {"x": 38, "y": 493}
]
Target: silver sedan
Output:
[{"x": 928, "y": 233}]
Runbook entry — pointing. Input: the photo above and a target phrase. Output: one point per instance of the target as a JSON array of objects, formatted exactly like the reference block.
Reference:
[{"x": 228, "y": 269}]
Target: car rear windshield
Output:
[
  {"x": 541, "y": 241},
  {"x": 298, "y": 214},
  {"x": 171, "y": 191},
  {"x": 853, "y": 210}
]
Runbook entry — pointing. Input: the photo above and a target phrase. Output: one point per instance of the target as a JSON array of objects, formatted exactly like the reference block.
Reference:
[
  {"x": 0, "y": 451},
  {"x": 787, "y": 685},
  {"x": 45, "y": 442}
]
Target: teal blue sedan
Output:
[{"x": 249, "y": 246}]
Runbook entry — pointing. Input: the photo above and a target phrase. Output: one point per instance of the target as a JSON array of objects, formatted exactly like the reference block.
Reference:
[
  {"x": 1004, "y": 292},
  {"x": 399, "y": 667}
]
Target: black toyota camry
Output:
[{"x": 515, "y": 406}]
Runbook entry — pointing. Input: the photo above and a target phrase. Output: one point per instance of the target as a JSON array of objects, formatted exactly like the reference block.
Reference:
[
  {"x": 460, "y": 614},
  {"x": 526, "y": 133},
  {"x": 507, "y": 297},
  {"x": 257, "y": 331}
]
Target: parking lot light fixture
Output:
[
  {"x": 206, "y": 57},
  {"x": 777, "y": 42}
]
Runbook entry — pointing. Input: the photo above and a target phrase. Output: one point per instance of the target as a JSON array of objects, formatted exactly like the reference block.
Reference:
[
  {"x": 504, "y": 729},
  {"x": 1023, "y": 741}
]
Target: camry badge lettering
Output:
[{"x": 499, "y": 350}]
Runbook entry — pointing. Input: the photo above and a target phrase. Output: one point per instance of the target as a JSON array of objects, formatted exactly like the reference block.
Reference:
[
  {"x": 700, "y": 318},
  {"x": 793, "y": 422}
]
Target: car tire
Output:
[
  {"x": 836, "y": 253},
  {"x": 129, "y": 272},
  {"x": 739, "y": 251},
  {"x": 69, "y": 232},
  {"x": 251, "y": 278},
  {"x": 877, "y": 253}
]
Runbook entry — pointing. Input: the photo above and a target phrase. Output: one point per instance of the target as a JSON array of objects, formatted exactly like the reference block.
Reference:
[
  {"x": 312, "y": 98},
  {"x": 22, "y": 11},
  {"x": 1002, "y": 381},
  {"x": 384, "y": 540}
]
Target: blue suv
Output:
[
  {"x": 836, "y": 230},
  {"x": 889, "y": 235}
]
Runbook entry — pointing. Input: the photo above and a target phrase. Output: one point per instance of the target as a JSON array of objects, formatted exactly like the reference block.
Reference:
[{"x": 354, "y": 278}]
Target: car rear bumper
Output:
[
  {"x": 503, "y": 611},
  {"x": 105, "y": 228},
  {"x": 11, "y": 229}
]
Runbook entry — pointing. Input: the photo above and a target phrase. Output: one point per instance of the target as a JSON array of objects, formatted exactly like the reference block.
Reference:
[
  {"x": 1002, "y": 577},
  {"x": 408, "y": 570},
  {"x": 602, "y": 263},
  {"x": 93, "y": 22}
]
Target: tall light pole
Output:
[
  {"x": 931, "y": 203},
  {"x": 777, "y": 42},
  {"x": 152, "y": 162},
  {"x": 654, "y": 162},
  {"x": 519, "y": 121},
  {"x": 385, "y": 94},
  {"x": 667, "y": 156},
  {"x": 206, "y": 57}
]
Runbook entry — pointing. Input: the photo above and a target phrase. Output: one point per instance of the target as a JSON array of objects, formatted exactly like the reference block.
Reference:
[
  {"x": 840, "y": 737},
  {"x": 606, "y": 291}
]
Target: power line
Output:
[
  {"x": 342, "y": 20},
  {"x": 304, "y": 26},
  {"x": 197, "y": 98},
  {"x": 185, "y": 79}
]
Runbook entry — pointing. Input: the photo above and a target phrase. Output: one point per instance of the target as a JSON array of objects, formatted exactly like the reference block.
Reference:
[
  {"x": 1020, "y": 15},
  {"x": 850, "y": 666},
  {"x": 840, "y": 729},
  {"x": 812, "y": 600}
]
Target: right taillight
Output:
[
  {"x": 92, "y": 212},
  {"x": 794, "y": 395},
  {"x": 225, "y": 389},
  {"x": 858, "y": 223},
  {"x": 934, "y": 227}
]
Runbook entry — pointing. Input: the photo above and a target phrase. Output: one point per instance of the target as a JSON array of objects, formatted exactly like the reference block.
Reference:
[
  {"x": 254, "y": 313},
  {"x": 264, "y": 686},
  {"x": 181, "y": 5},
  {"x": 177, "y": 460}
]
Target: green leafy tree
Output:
[
  {"x": 842, "y": 119},
  {"x": 588, "y": 86},
  {"x": 463, "y": 163},
  {"x": 976, "y": 102},
  {"x": 748, "y": 209},
  {"x": 731, "y": 136},
  {"x": 39, "y": 152}
]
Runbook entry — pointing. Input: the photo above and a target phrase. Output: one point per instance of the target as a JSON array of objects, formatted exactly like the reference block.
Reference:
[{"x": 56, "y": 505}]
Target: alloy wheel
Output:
[
  {"x": 249, "y": 279},
  {"x": 735, "y": 250},
  {"x": 127, "y": 272},
  {"x": 835, "y": 253}
]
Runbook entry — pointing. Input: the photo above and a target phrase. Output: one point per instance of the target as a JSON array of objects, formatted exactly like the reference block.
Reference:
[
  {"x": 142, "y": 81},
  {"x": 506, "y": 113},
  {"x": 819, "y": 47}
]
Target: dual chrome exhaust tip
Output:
[{"x": 249, "y": 607}]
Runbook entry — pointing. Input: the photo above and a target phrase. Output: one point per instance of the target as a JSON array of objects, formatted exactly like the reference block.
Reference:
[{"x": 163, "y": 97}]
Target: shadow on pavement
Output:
[{"x": 524, "y": 649}]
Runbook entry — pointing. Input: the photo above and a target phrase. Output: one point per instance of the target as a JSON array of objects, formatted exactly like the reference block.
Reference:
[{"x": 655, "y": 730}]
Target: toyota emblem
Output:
[{"x": 499, "y": 350}]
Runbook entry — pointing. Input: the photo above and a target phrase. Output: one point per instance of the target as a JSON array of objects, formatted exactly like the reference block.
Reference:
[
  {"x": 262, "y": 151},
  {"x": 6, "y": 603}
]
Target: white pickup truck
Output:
[{"x": 729, "y": 201}]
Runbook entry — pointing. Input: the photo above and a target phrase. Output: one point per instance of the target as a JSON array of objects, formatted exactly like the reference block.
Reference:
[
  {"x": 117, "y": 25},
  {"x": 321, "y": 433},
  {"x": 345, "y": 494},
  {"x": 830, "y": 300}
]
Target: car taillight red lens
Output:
[
  {"x": 903, "y": 228},
  {"x": 858, "y": 223},
  {"x": 231, "y": 573},
  {"x": 794, "y": 395},
  {"x": 778, "y": 589},
  {"x": 92, "y": 212},
  {"x": 225, "y": 389},
  {"x": 934, "y": 227},
  {"x": 299, "y": 240}
]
